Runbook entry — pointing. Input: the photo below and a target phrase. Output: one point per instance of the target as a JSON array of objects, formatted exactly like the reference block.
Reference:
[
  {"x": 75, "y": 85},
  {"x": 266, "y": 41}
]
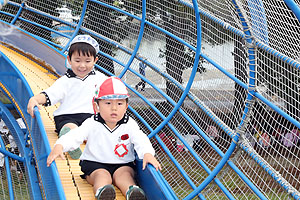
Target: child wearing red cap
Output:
[
  {"x": 112, "y": 140},
  {"x": 75, "y": 90}
]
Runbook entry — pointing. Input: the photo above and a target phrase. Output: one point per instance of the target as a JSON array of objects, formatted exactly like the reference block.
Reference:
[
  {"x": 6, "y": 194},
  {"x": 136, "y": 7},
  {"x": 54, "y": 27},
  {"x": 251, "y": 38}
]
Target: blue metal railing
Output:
[
  {"x": 24, "y": 149},
  {"x": 250, "y": 87},
  {"x": 17, "y": 90}
]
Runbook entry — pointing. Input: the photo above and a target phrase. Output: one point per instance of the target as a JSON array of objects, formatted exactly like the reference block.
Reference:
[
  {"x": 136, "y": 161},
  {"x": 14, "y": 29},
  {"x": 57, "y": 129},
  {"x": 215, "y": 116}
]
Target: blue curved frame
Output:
[
  {"x": 259, "y": 20},
  {"x": 78, "y": 25},
  {"x": 294, "y": 7},
  {"x": 17, "y": 133},
  {"x": 255, "y": 7},
  {"x": 7, "y": 167},
  {"x": 237, "y": 135},
  {"x": 14, "y": 85}
]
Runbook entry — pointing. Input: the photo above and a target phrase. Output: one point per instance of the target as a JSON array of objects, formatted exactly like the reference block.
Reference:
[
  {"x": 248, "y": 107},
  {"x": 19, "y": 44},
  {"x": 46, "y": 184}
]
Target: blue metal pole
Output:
[
  {"x": 78, "y": 25},
  {"x": 259, "y": 20},
  {"x": 8, "y": 175},
  {"x": 194, "y": 70},
  {"x": 251, "y": 85},
  {"x": 294, "y": 7},
  {"x": 139, "y": 40},
  {"x": 11, "y": 155},
  {"x": 18, "y": 13},
  {"x": 53, "y": 168},
  {"x": 215, "y": 171}
]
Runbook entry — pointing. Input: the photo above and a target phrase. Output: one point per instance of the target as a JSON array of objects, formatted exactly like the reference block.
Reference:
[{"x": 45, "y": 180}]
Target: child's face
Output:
[
  {"x": 111, "y": 110},
  {"x": 81, "y": 65}
]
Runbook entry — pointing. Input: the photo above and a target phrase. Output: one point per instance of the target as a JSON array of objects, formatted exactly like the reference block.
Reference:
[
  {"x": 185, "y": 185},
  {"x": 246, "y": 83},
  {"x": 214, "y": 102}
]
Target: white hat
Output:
[
  {"x": 87, "y": 39},
  {"x": 111, "y": 88}
]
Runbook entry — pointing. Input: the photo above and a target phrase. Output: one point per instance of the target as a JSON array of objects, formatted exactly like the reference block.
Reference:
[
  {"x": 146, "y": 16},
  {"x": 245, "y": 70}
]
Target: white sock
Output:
[{"x": 98, "y": 190}]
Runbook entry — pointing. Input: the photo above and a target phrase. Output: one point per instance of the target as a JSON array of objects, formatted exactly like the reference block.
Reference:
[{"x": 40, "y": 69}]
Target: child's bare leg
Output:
[
  {"x": 123, "y": 178},
  {"x": 99, "y": 178},
  {"x": 75, "y": 154}
]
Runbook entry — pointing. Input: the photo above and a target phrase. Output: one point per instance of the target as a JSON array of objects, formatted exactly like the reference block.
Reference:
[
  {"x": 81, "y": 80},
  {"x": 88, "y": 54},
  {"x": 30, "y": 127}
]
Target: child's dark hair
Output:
[{"x": 82, "y": 48}]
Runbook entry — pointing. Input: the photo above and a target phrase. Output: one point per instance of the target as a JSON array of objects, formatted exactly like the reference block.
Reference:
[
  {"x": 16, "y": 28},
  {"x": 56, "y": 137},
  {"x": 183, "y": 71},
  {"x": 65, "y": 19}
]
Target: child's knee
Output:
[{"x": 63, "y": 131}]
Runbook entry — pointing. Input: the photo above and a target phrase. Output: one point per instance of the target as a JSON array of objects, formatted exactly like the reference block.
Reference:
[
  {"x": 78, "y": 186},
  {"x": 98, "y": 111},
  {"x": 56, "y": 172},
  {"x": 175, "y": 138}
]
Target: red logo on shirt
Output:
[
  {"x": 124, "y": 137},
  {"x": 121, "y": 150}
]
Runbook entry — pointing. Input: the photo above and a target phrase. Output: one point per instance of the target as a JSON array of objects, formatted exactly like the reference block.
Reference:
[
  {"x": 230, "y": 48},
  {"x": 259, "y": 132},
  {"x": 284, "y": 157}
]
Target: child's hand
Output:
[
  {"x": 149, "y": 158},
  {"x": 31, "y": 104},
  {"x": 56, "y": 151}
]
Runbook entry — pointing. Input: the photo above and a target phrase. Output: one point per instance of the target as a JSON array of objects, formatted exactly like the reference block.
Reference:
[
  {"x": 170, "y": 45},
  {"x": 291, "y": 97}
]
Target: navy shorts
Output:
[
  {"x": 77, "y": 119},
  {"x": 87, "y": 167}
]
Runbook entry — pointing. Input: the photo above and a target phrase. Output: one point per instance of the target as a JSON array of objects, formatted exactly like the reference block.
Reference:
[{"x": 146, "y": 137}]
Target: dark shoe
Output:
[
  {"x": 75, "y": 154},
  {"x": 135, "y": 193},
  {"x": 107, "y": 192}
]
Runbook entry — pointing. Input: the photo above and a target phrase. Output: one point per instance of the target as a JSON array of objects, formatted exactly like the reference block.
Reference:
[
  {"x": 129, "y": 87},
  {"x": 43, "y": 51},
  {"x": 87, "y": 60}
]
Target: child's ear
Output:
[
  {"x": 69, "y": 60},
  {"x": 96, "y": 107}
]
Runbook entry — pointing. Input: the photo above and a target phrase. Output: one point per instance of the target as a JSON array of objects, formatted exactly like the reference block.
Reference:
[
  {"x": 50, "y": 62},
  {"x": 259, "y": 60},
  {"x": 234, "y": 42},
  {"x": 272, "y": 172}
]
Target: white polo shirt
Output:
[
  {"x": 105, "y": 145},
  {"x": 75, "y": 95}
]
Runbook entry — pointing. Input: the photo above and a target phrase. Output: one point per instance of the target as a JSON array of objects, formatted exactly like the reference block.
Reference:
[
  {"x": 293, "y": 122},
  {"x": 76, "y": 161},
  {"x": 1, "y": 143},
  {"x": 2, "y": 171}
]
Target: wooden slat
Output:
[{"x": 69, "y": 170}]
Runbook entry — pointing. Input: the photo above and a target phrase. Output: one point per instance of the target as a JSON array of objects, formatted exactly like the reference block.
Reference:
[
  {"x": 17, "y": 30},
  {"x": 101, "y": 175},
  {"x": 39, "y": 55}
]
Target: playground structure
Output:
[{"x": 221, "y": 102}]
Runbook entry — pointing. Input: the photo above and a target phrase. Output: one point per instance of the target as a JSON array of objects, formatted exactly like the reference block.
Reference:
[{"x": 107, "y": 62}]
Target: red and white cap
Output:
[{"x": 111, "y": 88}]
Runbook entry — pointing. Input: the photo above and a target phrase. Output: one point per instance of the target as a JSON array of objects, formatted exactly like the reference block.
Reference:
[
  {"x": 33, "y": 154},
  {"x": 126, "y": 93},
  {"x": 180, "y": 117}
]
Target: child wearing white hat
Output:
[
  {"x": 75, "y": 90},
  {"x": 112, "y": 140}
]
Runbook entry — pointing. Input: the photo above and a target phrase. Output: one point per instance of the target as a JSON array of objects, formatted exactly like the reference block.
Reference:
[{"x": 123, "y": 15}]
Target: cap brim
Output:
[{"x": 114, "y": 97}]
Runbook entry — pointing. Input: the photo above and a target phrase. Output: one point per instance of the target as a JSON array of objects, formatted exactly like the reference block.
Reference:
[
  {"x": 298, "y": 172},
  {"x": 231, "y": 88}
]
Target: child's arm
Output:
[
  {"x": 56, "y": 151},
  {"x": 36, "y": 100},
  {"x": 149, "y": 158}
]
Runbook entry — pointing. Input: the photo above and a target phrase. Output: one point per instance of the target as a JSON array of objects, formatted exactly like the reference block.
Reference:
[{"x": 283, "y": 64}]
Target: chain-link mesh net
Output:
[{"x": 213, "y": 108}]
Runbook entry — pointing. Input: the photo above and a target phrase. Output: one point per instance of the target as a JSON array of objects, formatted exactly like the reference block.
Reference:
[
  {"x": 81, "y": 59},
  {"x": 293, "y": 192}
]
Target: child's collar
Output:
[{"x": 70, "y": 74}]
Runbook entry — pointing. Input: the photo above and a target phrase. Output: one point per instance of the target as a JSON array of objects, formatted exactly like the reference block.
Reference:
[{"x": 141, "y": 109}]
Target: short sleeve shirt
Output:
[{"x": 74, "y": 94}]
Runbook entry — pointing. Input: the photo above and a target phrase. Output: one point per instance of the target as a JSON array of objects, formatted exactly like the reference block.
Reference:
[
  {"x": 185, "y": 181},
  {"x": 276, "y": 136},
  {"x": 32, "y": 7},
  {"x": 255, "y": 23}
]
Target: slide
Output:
[
  {"x": 40, "y": 75},
  {"x": 213, "y": 84}
]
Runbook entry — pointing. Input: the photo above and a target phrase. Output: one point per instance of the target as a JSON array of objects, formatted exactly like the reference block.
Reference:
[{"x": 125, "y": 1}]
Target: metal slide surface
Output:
[{"x": 39, "y": 79}]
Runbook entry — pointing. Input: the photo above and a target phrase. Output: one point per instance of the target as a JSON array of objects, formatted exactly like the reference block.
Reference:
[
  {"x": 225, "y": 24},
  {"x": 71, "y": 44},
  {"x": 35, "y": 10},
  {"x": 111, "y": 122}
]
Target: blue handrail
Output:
[
  {"x": 24, "y": 150},
  {"x": 18, "y": 90}
]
